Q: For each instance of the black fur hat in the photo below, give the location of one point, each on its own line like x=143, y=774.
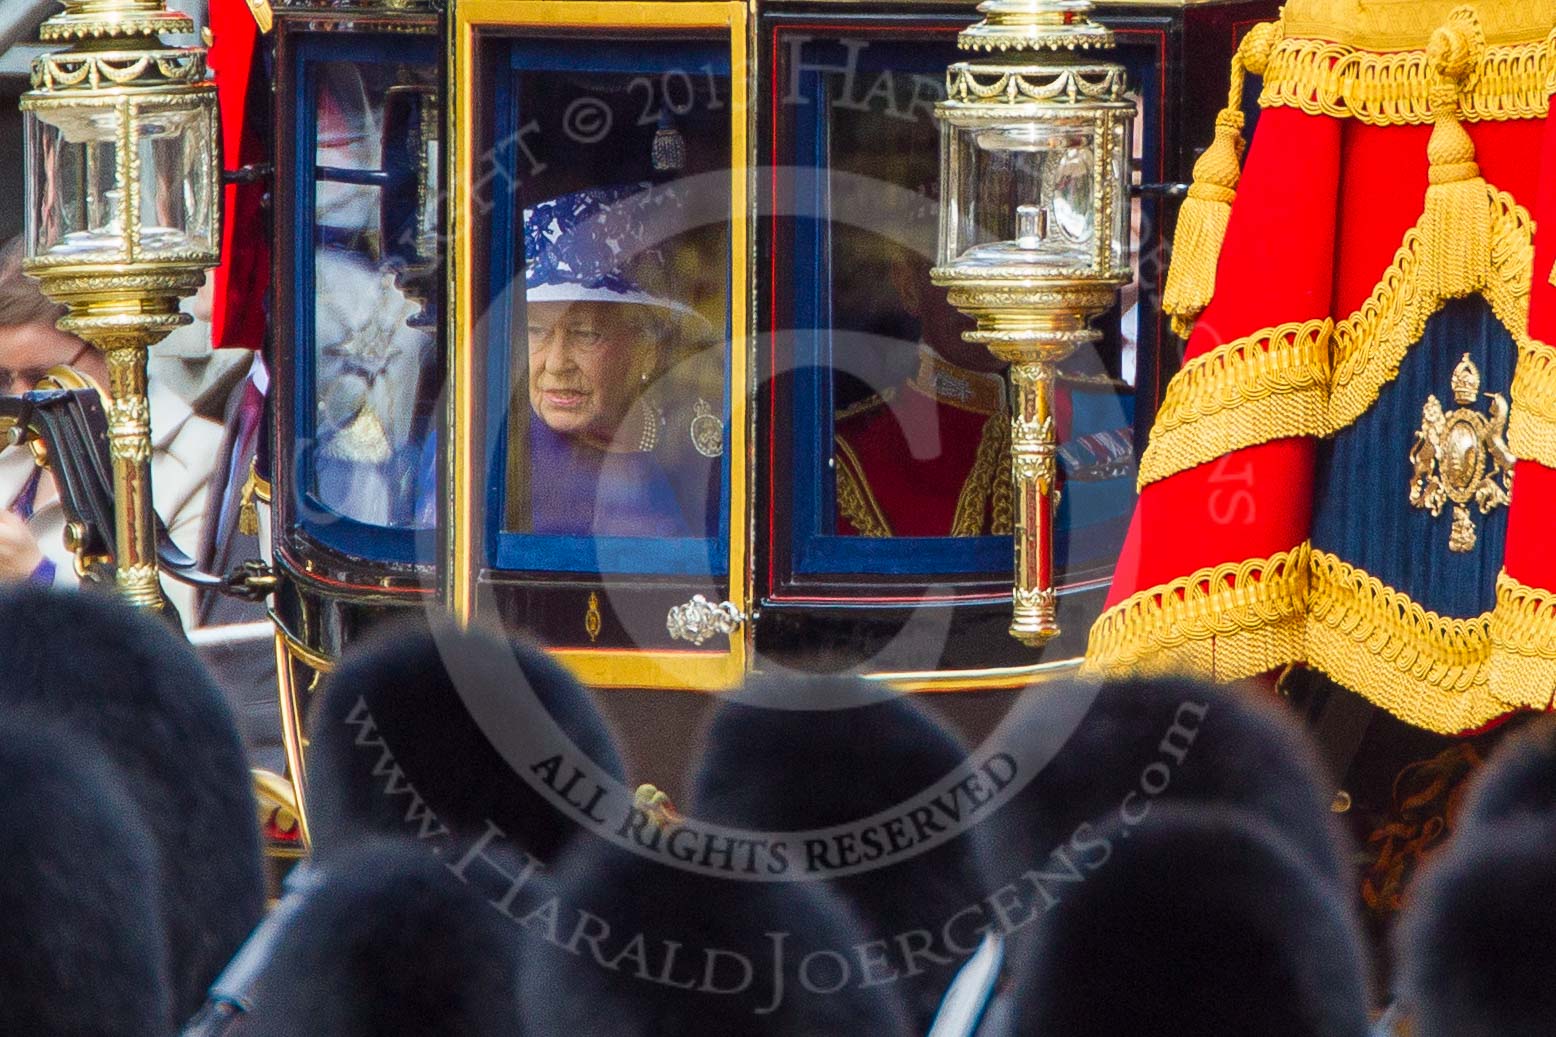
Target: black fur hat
x=82, y=949
x=393, y=737
x=386, y=941
x=1197, y=921
x=1132, y=741
x=1519, y=781
x=1476, y=938
x=792, y=755
x=107, y=672
x=632, y=947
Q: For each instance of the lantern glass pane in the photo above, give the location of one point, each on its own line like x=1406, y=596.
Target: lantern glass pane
x=1026, y=193
x=74, y=205
x=176, y=193
x=1120, y=178
x=948, y=242
x=617, y=320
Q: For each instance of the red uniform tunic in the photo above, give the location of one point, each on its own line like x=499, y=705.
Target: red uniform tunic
x=929, y=458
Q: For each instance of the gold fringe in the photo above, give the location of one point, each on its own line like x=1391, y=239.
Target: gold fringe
x=1226, y=622
x=1342, y=82
x=1370, y=344
x=1426, y=669
x=1269, y=386
x=1239, y=394
x=1532, y=430
x=1403, y=24
x=1470, y=239
x=1309, y=606
x=1511, y=674
x=1532, y=433
x=1206, y=212
x=1523, y=644
x=1203, y=221
x=854, y=497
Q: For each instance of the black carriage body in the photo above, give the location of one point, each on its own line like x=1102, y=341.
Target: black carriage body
x=338, y=577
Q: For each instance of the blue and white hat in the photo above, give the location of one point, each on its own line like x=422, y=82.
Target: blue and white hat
x=593, y=245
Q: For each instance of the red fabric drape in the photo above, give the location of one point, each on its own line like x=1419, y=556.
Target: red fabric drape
x=242, y=278
x=1322, y=209
x=1278, y=259
x=1531, y=548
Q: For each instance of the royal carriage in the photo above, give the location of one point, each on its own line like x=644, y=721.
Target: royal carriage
x=805, y=467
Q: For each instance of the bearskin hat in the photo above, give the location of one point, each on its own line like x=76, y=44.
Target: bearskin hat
x=107, y=672
x=798, y=754
x=1097, y=749
x=1196, y=920
x=628, y=946
x=1519, y=781
x=1476, y=936
x=383, y=940
x=396, y=750
x=83, y=951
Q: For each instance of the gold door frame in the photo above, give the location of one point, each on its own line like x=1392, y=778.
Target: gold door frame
x=667, y=669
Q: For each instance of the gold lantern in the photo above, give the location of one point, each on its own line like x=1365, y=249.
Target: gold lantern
x=1034, y=232
x=122, y=217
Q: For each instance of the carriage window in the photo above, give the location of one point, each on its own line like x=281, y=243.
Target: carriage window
x=917, y=463
x=611, y=310
x=374, y=170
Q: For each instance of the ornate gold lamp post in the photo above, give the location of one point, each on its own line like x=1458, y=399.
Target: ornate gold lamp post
x=1034, y=231
x=122, y=216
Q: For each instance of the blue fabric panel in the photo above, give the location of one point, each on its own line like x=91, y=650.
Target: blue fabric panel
x=1362, y=510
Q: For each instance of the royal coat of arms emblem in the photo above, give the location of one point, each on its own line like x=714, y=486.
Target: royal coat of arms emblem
x=1461, y=456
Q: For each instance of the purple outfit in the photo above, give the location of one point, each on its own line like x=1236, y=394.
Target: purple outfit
x=577, y=489
x=22, y=507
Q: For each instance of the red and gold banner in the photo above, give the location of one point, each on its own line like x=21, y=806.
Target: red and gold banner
x=1329, y=479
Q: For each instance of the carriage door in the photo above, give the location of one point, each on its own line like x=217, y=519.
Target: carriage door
x=598, y=335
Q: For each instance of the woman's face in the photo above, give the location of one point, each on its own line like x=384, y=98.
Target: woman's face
x=587, y=363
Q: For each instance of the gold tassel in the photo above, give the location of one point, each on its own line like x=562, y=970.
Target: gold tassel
x=1457, y=227
x=248, y=510
x=1206, y=212
x=656, y=804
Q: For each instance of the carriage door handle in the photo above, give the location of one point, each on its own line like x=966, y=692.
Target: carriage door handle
x=700, y=619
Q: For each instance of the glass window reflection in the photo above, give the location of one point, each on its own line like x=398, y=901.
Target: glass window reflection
x=619, y=322
x=375, y=383
x=921, y=444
